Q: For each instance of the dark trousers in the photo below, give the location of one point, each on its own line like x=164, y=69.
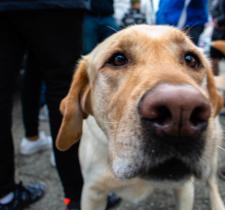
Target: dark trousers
x=31, y=96
x=54, y=39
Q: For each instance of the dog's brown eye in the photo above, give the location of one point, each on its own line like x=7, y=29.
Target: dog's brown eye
x=192, y=60
x=118, y=59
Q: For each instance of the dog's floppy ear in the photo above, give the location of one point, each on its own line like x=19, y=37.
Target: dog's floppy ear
x=217, y=100
x=74, y=108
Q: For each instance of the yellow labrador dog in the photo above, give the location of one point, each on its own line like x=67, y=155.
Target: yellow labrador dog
x=150, y=103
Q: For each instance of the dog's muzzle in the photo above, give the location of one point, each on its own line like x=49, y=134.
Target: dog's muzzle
x=174, y=120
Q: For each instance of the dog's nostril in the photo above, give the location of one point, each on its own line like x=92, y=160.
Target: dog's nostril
x=200, y=116
x=196, y=116
x=172, y=111
x=163, y=115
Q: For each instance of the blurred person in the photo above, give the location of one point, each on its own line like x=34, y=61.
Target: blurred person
x=140, y=12
x=120, y=8
x=134, y=15
x=135, y=12
x=189, y=15
x=99, y=23
x=33, y=101
x=52, y=31
x=218, y=15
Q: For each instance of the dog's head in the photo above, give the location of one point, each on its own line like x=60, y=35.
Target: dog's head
x=152, y=92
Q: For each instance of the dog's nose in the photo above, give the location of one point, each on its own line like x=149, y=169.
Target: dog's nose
x=175, y=111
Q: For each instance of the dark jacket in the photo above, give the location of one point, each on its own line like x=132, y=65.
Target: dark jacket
x=101, y=7
x=15, y=5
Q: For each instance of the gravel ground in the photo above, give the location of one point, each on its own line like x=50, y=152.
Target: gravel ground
x=37, y=167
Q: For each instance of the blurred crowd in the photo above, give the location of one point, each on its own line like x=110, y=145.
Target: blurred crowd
x=44, y=39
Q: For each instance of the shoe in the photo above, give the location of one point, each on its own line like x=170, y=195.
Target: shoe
x=112, y=201
x=28, y=147
x=24, y=196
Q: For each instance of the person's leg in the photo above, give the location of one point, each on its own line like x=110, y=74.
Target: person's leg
x=31, y=96
x=11, y=54
x=12, y=195
x=90, y=36
x=54, y=37
x=58, y=74
x=33, y=141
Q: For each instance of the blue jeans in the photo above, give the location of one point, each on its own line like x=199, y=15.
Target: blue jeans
x=96, y=29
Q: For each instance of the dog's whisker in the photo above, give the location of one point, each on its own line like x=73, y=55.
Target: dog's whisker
x=113, y=29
